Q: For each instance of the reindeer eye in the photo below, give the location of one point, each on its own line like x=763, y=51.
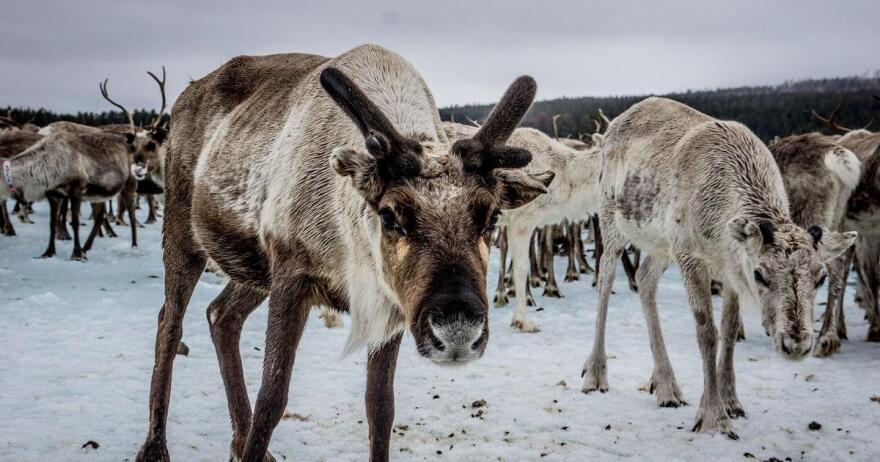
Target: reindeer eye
x=759, y=278
x=493, y=221
x=389, y=222
x=821, y=280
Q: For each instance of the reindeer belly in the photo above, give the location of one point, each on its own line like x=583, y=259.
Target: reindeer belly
x=234, y=248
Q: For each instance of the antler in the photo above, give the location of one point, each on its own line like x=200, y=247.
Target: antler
x=829, y=122
x=155, y=124
x=486, y=150
x=9, y=121
x=103, y=87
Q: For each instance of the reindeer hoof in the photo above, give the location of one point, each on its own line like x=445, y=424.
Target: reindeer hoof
x=572, y=276
x=552, y=291
x=595, y=374
x=827, y=345
x=47, y=254
x=873, y=334
x=501, y=300
x=534, y=282
x=78, y=256
x=154, y=450
x=524, y=325
x=714, y=419
x=665, y=390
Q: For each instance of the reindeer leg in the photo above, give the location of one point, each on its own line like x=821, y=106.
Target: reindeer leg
x=289, y=300
x=129, y=200
x=151, y=203
x=121, y=208
x=630, y=269
x=585, y=267
x=379, y=397
x=595, y=370
x=5, y=220
x=226, y=316
x=730, y=324
x=75, y=203
x=829, y=335
x=598, y=246
x=107, y=219
x=868, y=255
x=712, y=415
x=501, y=291
x=571, y=273
x=98, y=217
x=534, y=263
x=53, y=217
x=663, y=383
x=550, y=289
x=184, y=263
x=61, y=224
x=24, y=211
x=519, y=253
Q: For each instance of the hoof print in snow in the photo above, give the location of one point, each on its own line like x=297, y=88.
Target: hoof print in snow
x=182, y=349
x=478, y=403
x=814, y=426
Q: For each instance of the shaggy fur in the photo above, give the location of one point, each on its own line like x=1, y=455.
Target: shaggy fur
x=12, y=143
x=819, y=177
x=707, y=195
x=329, y=181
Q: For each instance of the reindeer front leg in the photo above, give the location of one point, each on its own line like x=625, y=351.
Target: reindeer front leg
x=381, y=366
x=53, y=217
x=711, y=416
x=501, y=298
x=730, y=324
x=5, y=221
x=75, y=203
x=550, y=288
x=289, y=301
x=833, y=328
x=520, y=263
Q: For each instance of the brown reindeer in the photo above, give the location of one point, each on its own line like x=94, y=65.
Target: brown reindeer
x=862, y=215
x=329, y=181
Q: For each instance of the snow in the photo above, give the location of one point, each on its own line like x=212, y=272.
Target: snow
x=76, y=353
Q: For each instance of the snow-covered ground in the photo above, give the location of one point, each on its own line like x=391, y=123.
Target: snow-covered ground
x=76, y=352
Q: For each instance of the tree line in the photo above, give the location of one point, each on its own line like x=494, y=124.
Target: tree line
x=769, y=111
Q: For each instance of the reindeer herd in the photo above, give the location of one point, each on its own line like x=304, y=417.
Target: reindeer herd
x=332, y=181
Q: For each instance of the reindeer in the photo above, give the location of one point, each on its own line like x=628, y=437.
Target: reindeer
x=574, y=193
x=706, y=194
x=313, y=180
x=862, y=215
x=819, y=177
x=12, y=143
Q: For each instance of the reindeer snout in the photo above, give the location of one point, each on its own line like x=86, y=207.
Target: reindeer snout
x=795, y=346
x=458, y=340
x=139, y=171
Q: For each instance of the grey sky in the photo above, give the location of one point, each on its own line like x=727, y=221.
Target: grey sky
x=53, y=53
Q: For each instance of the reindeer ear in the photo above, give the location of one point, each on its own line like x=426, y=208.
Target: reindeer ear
x=360, y=166
x=832, y=244
x=129, y=138
x=517, y=188
x=747, y=234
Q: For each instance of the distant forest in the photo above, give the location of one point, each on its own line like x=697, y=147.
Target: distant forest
x=768, y=110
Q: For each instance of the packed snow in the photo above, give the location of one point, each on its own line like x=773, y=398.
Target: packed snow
x=76, y=353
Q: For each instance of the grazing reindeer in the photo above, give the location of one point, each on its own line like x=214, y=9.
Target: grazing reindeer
x=706, y=194
x=819, y=176
x=12, y=143
x=344, y=192
x=574, y=193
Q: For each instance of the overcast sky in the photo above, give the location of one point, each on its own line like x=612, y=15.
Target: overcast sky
x=54, y=53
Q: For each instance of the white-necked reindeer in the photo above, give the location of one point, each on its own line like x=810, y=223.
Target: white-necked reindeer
x=345, y=192
x=707, y=195
x=573, y=194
